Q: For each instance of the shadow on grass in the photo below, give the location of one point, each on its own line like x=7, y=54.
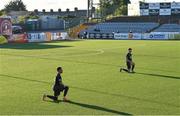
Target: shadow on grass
x=25, y=79
x=96, y=91
x=95, y=107
x=56, y=102
x=90, y=106
x=30, y=46
x=159, y=75
x=70, y=40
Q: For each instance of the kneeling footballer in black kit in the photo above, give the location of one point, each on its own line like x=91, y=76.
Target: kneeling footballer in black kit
x=58, y=87
x=129, y=62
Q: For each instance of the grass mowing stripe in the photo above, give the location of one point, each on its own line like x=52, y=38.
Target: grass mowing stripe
x=94, y=91
x=95, y=63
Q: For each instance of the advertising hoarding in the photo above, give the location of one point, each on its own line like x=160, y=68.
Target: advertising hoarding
x=175, y=5
x=165, y=5
x=165, y=12
x=154, y=12
x=144, y=5
x=5, y=26
x=154, y=5
x=175, y=11
x=144, y=12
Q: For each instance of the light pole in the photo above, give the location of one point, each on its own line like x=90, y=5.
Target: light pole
x=89, y=9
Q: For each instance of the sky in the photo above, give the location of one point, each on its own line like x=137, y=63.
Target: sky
x=63, y=4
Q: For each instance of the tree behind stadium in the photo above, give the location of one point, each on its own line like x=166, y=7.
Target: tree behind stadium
x=114, y=7
x=15, y=5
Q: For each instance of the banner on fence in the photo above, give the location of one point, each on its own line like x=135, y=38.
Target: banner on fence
x=64, y=35
x=121, y=35
x=56, y=36
x=156, y=36
x=127, y=35
x=101, y=36
x=154, y=5
x=36, y=37
x=175, y=5
x=18, y=38
x=47, y=36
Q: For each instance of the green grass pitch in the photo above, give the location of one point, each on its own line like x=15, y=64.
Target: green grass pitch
x=91, y=69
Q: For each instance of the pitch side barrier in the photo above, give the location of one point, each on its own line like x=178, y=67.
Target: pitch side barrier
x=100, y=36
x=46, y=36
x=37, y=37
x=136, y=36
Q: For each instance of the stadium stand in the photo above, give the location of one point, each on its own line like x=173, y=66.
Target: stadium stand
x=158, y=19
x=134, y=24
x=122, y=27
x=168, y=28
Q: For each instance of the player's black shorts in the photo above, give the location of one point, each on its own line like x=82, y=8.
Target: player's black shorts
x=57, y=89
x=128, y=65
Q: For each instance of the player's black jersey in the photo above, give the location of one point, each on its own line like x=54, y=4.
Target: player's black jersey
x=58, y=79
x=129, y=57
